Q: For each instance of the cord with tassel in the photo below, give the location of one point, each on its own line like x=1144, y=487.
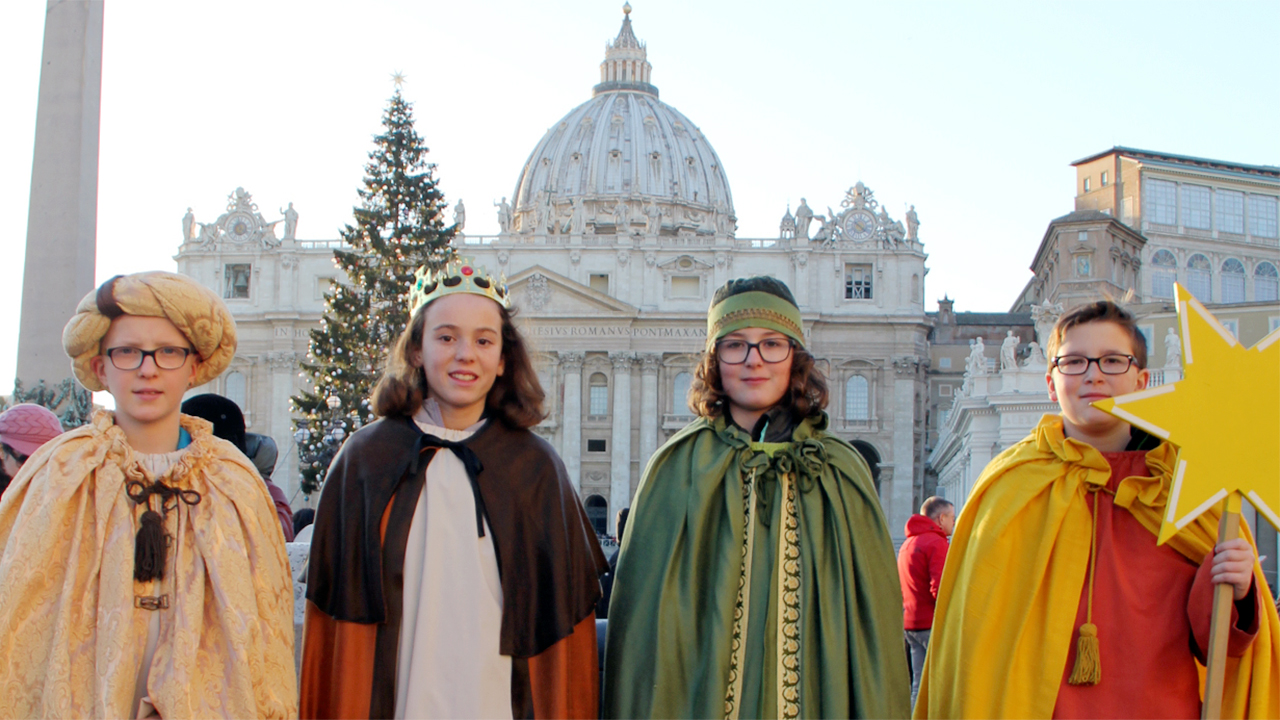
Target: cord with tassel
x=151, y=544
x=1088, y=667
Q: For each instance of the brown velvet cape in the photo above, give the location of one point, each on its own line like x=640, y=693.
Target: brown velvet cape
x=549, y=562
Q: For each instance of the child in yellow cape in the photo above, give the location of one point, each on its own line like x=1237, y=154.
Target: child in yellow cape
x=1056, y=600
x=143, y=572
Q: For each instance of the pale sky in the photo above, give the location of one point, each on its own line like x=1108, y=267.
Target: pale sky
x=972, y=112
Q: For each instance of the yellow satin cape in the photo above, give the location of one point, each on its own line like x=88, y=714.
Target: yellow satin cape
x=1015, y=571
x=71, y=640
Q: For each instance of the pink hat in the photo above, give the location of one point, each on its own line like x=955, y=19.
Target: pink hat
x=26, y=427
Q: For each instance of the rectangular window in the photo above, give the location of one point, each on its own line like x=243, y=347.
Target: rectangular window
x=857, y=282
x=598, y=400
x=944, y=363
x=1162, y=202
x=1086, y=184
x=1195, y=207
x=323, y=285
x=944, y=390
x=1105, y=178
x=1162, y=283
x=236, y=278
x=1229, y=211
x=1262, y=216
x=597, y=446
x=686, y=287
x=599, y=282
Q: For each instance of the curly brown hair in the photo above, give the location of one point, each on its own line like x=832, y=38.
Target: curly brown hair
x=516, y=396
x=806, y=393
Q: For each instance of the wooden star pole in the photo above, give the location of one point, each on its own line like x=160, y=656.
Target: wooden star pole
x=1227, y=406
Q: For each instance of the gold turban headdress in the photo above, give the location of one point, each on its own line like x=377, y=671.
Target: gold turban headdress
x=197, y=312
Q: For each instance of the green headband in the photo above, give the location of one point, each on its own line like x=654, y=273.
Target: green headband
x=754, y=309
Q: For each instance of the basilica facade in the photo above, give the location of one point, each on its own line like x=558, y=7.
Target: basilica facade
x=620, y=228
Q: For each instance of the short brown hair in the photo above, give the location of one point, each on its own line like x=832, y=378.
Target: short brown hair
x=934, y=507
x=1100, y=311
x=516, y=396
x=806, y=394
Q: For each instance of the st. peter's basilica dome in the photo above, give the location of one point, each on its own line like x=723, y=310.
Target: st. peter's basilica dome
x=624, y=161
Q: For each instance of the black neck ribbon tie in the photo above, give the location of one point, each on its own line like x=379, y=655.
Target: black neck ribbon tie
x=469, y=461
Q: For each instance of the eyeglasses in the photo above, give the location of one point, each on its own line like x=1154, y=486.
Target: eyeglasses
x=1108, y=364
x=165, y=358
x=771, y=350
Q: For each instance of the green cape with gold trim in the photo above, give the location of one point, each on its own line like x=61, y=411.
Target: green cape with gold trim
x=706, y=622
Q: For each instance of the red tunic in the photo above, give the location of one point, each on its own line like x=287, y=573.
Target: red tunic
x=1152, y=607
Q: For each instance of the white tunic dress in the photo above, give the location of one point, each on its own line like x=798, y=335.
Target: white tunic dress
x=449, y=665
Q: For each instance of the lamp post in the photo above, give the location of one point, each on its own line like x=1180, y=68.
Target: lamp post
x=318, y=453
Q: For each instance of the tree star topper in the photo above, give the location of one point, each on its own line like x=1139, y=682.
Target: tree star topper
x=1224, y=415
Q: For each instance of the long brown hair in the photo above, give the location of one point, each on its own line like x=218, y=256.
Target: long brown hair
x=516, y=396
x=806, y=393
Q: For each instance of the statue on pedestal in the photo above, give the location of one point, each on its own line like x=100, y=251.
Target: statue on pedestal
x=913, y=224
x=622, y=217
x=290, y=222
x=460, y=216
x=1172, y=350
x=1009, y=352
x=504, y=215
x=976, y=364
x=1035, y=359
x=804, y=216
x=654, y=215
x=188, y=224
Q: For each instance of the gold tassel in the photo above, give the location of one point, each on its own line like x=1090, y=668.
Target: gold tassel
x=1088, y=669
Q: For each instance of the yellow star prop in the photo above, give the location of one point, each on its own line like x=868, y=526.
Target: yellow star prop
x=1224, y=415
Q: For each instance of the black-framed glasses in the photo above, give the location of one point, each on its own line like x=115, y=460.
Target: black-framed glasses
x=165, y=358
x=1108, y=364
x=771, y=350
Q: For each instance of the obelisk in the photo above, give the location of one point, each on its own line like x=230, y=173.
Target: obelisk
x=62, y=220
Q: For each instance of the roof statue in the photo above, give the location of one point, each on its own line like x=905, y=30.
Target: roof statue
x=618, y=153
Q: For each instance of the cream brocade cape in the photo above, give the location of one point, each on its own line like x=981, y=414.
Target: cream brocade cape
x=71, y=640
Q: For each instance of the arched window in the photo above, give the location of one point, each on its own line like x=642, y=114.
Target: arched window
x=235, y=388
x=857, y=401
x=1232, y=281
x=680, y=395
x=1266, y=283
x=598, y=397
x=598, y=513
x=1164, y=274
x=1200, y=278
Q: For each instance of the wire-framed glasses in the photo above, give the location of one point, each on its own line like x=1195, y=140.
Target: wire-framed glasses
x=165, y=358
x=771, y=350
x=1108, y=364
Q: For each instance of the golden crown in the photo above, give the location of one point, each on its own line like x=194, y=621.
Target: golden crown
x=459, y=275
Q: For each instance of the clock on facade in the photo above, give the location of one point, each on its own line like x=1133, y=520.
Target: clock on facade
x=240, y=227
x=859, y=225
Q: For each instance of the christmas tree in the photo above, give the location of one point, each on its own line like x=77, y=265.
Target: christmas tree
x=398, y=228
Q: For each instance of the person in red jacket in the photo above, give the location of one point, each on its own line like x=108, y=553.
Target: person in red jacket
x=920, y=563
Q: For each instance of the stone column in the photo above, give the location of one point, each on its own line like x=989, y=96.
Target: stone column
x=649, y=365
x=620, y=474
x=898, y=503
x=571, y=450
x=62, y=218
x=283, y=366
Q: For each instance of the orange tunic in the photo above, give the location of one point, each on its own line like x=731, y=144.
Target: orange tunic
x=1152, y=607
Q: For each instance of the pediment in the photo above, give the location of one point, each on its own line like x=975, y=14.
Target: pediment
x=537, y=291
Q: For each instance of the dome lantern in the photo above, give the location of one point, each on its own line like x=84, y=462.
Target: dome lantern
x=625, y=65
